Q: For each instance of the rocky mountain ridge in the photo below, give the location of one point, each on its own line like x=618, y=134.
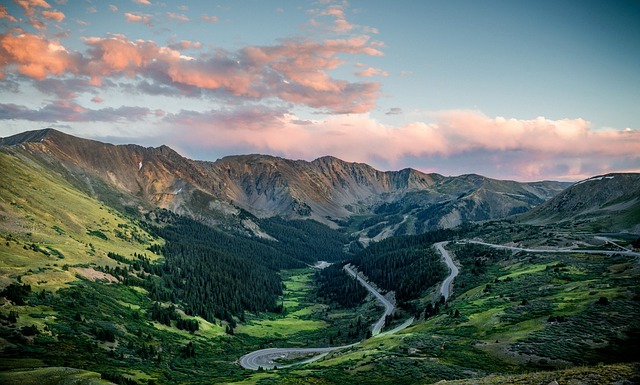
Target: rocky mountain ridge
x=327, y=189
x=602, y=203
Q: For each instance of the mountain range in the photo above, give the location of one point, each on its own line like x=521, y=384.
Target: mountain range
x=103, y=267
x=328, y=190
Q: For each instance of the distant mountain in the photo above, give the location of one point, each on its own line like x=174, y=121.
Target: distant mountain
x=606, y=202
x=327, y=189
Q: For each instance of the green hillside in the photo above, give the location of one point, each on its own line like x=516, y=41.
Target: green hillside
x=51, y=231
x=90, y=294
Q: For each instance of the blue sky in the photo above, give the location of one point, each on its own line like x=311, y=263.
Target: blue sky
x=508, y=89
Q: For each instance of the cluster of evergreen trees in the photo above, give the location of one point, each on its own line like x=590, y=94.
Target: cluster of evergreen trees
x=215, y=274
x=407, y=265
x=336, y=286
x=16, y=293
x=308, y=241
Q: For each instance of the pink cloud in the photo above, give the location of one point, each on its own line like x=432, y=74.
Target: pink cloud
x=5, y=15
x=33, y=10
x=369, y=72
x=179, y=17
x=342, y=26
x=53, y=15
x=34, y=56
x=336, y=11
x=211, y=19
x=186, y=44
x=29, y=6
x=143, y=2
x=97, y=99
x=113, y=8
x=521, y=149
x=292, y=71
x=137, y=18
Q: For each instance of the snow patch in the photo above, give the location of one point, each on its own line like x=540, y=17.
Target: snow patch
x=593, y=179
x=139, y=165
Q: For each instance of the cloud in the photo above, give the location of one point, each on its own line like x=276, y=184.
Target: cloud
x=66, y=88
x=394, y=111
x=113, y=8
x=176, y=16
x=143, y=2
x=34, y=56
x=246, y=119
x=36, y=11
x=5, y=15
x=458, y=141
x=293, y=70
x=67, y=111
x=30, y=6
x=211, y=19
x=185, y=44
x=53, y=15
x=97, y=99
x=369, y=72
x=137, y=18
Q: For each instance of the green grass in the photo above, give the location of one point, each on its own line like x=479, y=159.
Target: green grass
x=596, y=375
x=298, y=285
x=51, y=376
x=41, y=211
x=495, y=333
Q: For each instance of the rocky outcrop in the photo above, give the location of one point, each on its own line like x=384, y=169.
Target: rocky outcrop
x=327, y=189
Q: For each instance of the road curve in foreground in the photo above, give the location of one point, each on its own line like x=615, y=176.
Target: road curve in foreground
x=445, y=290
x=266, y=358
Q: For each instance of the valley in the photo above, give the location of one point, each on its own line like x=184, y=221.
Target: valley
x=263, y=359
x=132, y=265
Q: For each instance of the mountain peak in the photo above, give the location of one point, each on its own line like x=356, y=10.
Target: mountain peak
x=31, y=136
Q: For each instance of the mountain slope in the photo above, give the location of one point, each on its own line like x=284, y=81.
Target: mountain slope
x=327, y=189
x=610, y=202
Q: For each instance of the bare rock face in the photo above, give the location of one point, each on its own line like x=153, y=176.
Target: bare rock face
x=327, y=189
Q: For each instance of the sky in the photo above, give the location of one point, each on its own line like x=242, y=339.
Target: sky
x=521, y=90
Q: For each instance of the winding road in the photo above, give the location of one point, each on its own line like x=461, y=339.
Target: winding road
x=388, y=306
x=453, y=269
x=266, y=358
x=602, y=252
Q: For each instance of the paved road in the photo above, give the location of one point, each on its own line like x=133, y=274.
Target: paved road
x=265, y=358
x=602, y=252
x=453, y=269
x=388, y=306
